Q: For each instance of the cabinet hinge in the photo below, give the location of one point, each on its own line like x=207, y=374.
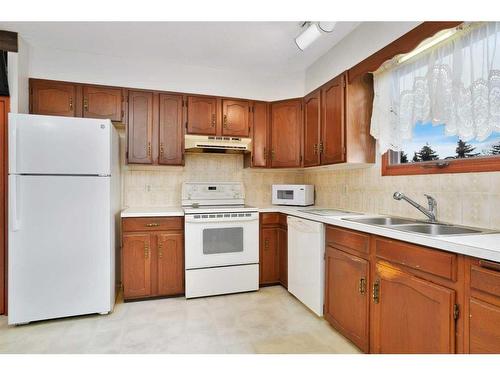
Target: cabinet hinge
x=456, y=311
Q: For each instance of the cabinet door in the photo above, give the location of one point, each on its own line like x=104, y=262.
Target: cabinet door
x=283, y=256
x=171, y=131
x=202, y=115
x=260, y=134
x=269, y=258
x=140, y=127
x=236, y=118
x=170, y=263
x=346, y=295
x=484, y=326
x=136, y=258
x=411, y=315
x=53, y=98
x=102, y=102
x=312, y=125
x=333, y=122
x=286, y=133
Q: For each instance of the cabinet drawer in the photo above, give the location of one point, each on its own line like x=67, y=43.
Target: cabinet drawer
x=152, y=223
x=432, y=261
x=485, y=280
x=347, y=238
x=270, y=218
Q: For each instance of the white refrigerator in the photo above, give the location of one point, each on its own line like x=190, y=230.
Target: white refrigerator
x=64, y=203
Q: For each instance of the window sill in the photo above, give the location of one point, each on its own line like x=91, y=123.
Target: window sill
x=478, y=164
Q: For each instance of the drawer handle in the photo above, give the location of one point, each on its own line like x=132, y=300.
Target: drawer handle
x=225, y=122
x=489, y=265
x=266, y=244
x=362, y=285
x=152, y=225
x=376, y=292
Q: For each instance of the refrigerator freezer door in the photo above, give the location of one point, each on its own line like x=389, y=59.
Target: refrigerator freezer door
x=60, y=254
x=59, y=145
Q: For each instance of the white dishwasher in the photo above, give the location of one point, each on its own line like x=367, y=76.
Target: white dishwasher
x=306, y=262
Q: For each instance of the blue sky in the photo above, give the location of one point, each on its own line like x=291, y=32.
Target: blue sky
x=444, y=145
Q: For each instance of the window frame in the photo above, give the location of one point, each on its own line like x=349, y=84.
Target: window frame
x=405, y=44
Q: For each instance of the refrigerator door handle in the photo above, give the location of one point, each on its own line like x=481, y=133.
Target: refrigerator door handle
x=15, y=223
x=12, y=143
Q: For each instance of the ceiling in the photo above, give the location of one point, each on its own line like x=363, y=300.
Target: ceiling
x=264, y=47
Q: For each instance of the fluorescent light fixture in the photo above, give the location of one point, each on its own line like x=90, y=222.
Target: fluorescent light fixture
x=425, y=45
x=308, y=36
x=326, y=26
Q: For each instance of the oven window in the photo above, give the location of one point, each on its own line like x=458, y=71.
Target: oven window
x=285, y=194
x=222, y=240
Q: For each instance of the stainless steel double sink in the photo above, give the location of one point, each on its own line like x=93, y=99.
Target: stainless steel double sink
x=419, y=227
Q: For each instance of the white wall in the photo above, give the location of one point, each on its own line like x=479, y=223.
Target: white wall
x=366, y=39
x=160, y=75
x=18, y=65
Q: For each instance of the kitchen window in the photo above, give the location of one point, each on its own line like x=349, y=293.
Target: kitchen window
x=437, y=108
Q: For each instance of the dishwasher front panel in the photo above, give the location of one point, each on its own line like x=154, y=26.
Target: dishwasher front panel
x=306, y=263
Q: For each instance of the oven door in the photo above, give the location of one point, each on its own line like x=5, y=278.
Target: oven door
x=221, y=239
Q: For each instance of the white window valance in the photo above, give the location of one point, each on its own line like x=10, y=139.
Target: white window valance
x=455, y=83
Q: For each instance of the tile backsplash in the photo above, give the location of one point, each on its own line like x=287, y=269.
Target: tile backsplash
x=467, y=198
x=146, y=186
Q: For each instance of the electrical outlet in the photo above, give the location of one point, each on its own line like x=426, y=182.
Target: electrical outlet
x=148, y=188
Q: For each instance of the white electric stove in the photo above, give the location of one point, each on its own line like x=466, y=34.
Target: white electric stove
x=221, y=239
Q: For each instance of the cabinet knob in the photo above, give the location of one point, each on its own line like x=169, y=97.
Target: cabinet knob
x=213, y=120
x=266, y=244
x=161, y=149
x=71, y=103
x=146, y=252
x=85, y=104
x=160, y=250
x=225, y=122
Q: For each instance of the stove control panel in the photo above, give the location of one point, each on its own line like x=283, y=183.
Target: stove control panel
x=212, y=193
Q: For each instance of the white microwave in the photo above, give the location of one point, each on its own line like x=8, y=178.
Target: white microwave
x=293, y=195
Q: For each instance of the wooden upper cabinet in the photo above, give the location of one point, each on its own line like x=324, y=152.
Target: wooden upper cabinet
x=260, y=139
x=286, y=133
x=312, y=127
x=411, y=315
x=140, y=127
x=201, y=115
x=333, y=121
x=53, y=98
x=171, y=134
x=102, y=102
x=170, y=248
x=347, y=295
x=136, y=253
x=236, y=118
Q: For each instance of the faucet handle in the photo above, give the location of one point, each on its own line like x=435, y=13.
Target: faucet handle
x=431, y=201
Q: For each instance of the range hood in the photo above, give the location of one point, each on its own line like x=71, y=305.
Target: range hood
x=208, y=143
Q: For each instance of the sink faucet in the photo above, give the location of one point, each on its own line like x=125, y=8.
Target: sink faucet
x=430, y=212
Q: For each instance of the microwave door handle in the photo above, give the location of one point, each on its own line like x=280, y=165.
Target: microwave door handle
x=14, y=203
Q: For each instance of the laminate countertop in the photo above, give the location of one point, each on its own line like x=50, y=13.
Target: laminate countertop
x=485, y=246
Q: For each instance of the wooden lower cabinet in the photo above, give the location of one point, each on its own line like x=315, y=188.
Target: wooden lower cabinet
x=347, y=296
x=152, y=260
x=136, y=258
x=482, y=333
x=410, y=314
x=273, y=254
